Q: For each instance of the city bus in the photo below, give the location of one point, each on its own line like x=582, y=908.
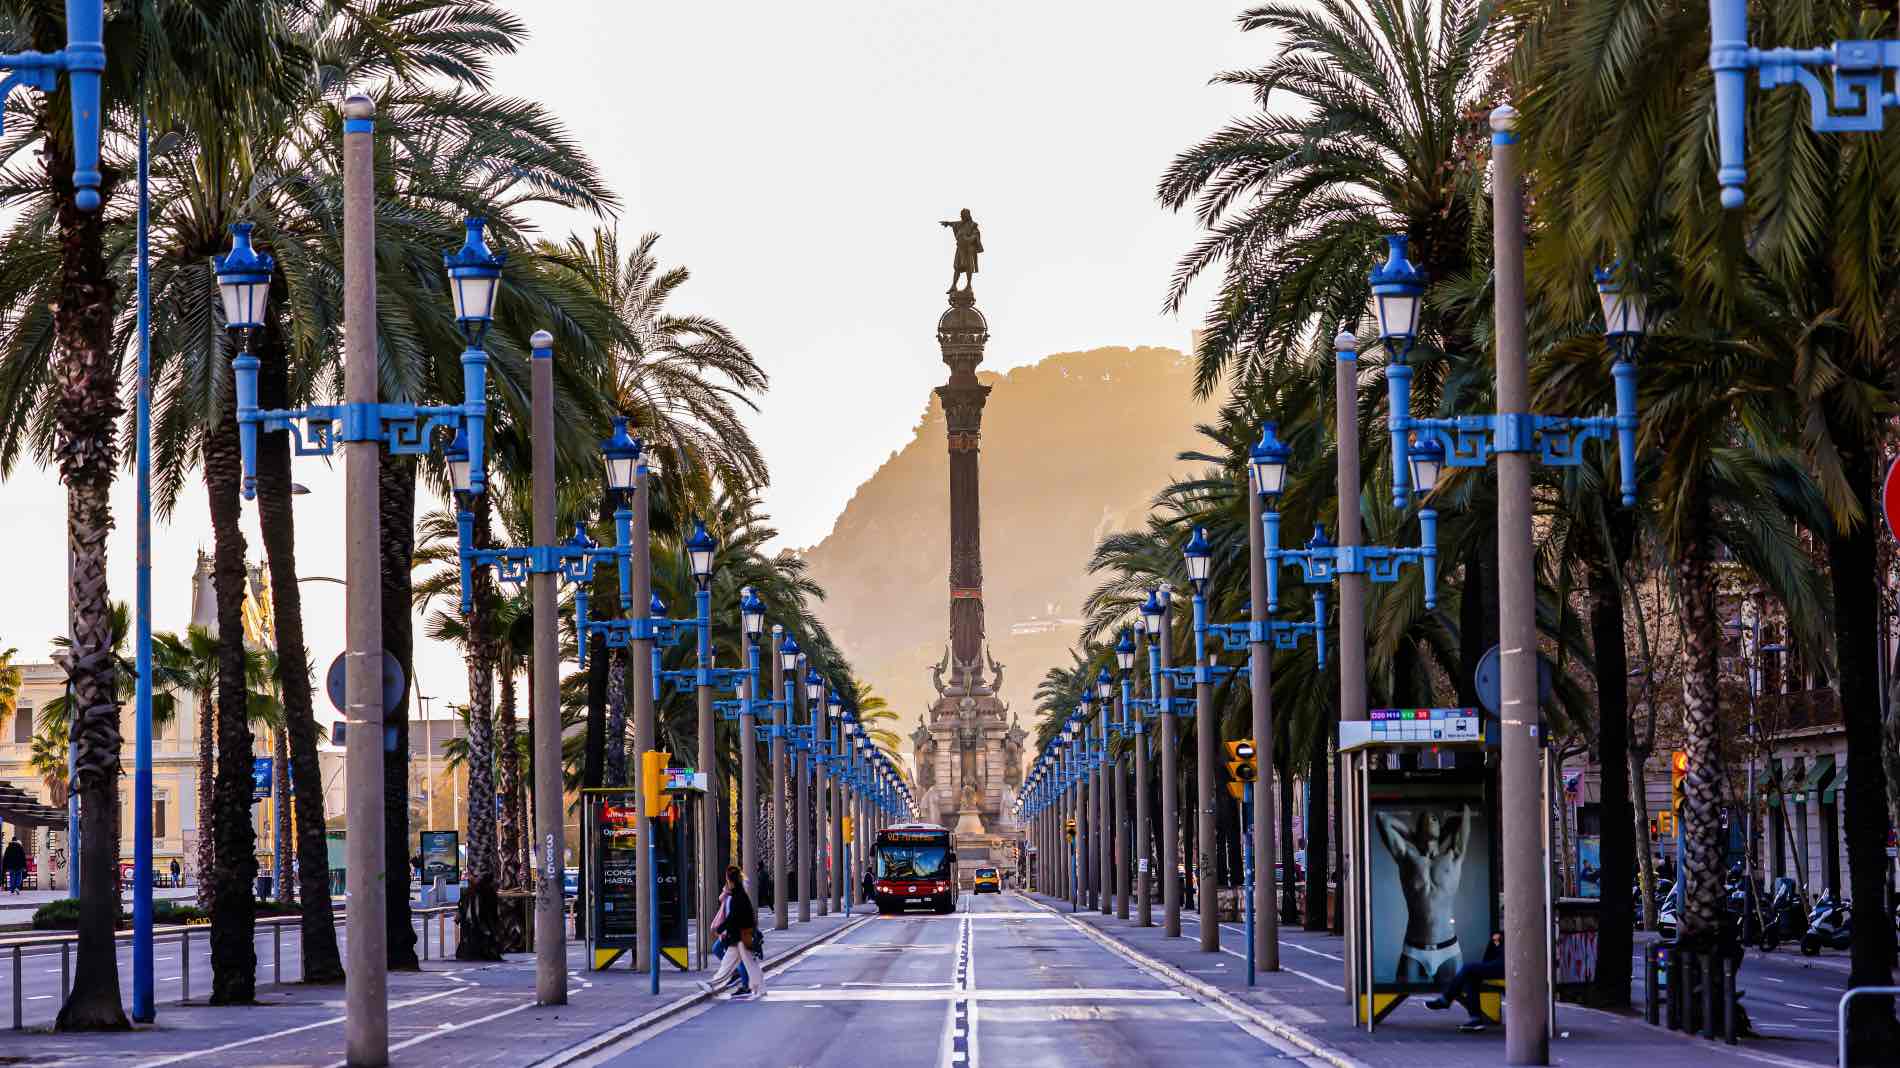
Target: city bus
x=913, y=866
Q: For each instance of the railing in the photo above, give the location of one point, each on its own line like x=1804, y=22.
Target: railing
x=183, y=935
x=1841, y=1016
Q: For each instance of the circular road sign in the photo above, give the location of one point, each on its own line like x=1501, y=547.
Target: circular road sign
x=393, y=683
x=1489, y=679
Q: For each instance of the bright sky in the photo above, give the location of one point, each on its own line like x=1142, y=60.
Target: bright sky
x=797, y=158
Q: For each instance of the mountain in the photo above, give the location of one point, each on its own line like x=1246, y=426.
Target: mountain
x=1073, y=447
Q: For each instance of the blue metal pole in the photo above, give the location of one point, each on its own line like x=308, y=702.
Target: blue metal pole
x=143, y=1009
x=653, y=892
x=1246, y=845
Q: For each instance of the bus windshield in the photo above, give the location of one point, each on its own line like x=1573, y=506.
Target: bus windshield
x=908, y=861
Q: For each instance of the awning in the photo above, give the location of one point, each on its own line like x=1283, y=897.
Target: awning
x=1820, y=770
x=1840, y=780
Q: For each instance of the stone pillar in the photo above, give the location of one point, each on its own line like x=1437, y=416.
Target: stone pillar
x=961, y=333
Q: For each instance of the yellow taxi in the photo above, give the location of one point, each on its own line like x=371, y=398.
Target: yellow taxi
x=987, y=879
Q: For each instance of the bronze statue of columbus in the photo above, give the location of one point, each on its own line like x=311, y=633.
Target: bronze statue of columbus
x=969, y=243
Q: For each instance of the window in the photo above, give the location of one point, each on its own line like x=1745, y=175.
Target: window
x=23, y=724
x=158, y=817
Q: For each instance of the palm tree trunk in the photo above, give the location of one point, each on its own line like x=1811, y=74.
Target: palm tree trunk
x=508, y=763
x=207, y=792
x=1317, y=798
x=1289, y=894
x=1852, y=557
x=233, y=909
x=1616, y=848
x=276, y=520
x=1702, y=835
x=396, y=486
x=280, y=816
x=85, y=417
x=478, y=917
x=616, y=755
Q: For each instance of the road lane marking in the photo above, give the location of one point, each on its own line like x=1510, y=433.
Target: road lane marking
x=196, y=1053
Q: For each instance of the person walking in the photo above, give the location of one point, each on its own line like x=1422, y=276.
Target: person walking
x=723, y=944
x=739, y=924
x=14, y=864
x=177, y=874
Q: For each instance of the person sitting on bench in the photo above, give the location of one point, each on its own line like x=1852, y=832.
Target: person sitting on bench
x=1467, y=984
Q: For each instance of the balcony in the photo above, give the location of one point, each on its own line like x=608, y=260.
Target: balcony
x=1801, y=710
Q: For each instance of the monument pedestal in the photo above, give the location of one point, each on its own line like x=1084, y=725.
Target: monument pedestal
x=969, y=822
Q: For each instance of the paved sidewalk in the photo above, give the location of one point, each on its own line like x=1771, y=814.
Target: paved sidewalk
x=1307, y=1000
x=17, y=909
x=451, y=1014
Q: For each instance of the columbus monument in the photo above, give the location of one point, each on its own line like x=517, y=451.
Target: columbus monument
x=969, y=750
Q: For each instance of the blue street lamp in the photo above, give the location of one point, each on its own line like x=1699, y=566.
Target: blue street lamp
x=1859, y=69
x=405, y=429
x=84, y=61
x=1471, y=440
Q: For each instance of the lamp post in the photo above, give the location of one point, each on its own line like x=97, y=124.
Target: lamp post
x=805, y=741
x=244, y=282
x=1137, y=725
x=785, y=679
x=1124, y=659
x=1199, y=559
x=834, y=765
x=1860, y=77
x=752, y=618
x=1518, y=437
x=1158, y=611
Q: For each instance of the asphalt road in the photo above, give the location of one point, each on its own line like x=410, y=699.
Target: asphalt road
x=1000, y=980
x=1791, y=999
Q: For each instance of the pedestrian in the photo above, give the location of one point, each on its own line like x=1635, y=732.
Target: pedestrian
x=870, y=883
x=738, y=923
x=1469, y=982
x=723, y=943
x=766, y=889
x=177, y=874
x=14, y=864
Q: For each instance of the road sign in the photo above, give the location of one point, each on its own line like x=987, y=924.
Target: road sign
x=393, y=683
x=1489, y=678
x=1890, y=498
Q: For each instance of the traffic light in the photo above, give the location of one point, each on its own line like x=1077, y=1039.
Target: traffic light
x=1678, y=771
x=1241, y=767
x=1069, y=828
x=848, y=827
x=1664, y=825
x=653, y=781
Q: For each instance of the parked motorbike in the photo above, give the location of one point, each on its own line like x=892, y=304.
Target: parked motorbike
x=1833, y=928
x=1783, y=919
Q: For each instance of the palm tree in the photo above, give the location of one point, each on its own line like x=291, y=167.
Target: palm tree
x=10, y=682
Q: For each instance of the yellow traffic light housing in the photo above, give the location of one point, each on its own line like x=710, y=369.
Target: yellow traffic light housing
x=1068, y=828
x=653, y=782
x=1241, y=764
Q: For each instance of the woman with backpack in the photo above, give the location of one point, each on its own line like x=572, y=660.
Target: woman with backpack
x=737, y=924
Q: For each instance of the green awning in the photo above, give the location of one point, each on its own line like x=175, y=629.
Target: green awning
x=1820, y=770
x=1827, y=795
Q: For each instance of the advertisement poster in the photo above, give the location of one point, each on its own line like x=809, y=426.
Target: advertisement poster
x=260, y=778
x=1589, y=865
x=441, y=856
x=615, y=870
x=1429, y=871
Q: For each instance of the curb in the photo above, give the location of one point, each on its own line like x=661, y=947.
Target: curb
x=1209, y=992
x=589, y=1046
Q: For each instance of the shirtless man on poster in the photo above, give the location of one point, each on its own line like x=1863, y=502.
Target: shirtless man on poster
x=1429, y=847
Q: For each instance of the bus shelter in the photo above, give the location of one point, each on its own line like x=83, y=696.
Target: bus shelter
x=1424, y=893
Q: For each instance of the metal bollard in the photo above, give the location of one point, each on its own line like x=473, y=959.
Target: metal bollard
x=184, y=960
x=65, y=969
x=425, y=938
x=1651, y=995
x=16, y=988
x=442, y=932
x=1711, y=983
x=277, y=952
x=1728, y=1002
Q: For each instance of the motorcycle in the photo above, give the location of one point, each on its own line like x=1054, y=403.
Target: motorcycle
x=1782, y=920
x=1833, y=928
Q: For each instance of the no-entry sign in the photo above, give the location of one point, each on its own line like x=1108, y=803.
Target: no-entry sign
x=1890, y=498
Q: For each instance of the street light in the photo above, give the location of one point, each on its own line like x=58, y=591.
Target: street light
x=621, y=456
x=474, y=280
x=699, y=548
x=1397, y=287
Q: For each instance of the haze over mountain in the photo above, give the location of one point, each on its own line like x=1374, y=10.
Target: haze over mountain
x=1074, y=446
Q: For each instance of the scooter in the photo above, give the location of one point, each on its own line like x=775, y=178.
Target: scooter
x=1782, y=919
x=1832, y=929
